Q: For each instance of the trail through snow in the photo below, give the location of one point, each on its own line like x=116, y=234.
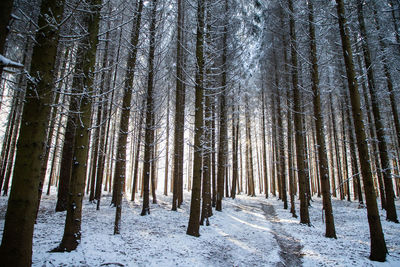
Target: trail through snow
x=290, y=247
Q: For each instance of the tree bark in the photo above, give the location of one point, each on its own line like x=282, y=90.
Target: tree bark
x=16, y=246
x=264, y=149
x=298, y=123
x=378, y=245
x=391, y=214
x=82, y=84
x=167, y=149
x=120, y=167
x=223, y=127
x=137, y=153
x=319, y=128
x=193, y=226
x=177, y=176
x=149, y=131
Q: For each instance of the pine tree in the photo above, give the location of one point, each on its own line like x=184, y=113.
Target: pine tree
x=194, y=219
x=391, y=214
x=298, y=122
x=177, y=174
x=82, y=86
x=319, y=128
x=378, y=244
x=223, y=127
x=120, y=167
x=149, y=130
x=16, y=246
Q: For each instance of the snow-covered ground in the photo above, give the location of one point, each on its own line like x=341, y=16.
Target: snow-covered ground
x=352, y=246
x=249, y=232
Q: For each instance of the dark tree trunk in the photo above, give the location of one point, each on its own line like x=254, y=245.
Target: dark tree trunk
x=16, y=246
x=223, y=127
x=177, y=177
x=264, y=150
x=378, y=244
x=298, y=123
x=66, y=165
x=167, y=149
x=120, y=167
x=391, y=214
x=319, y=128
x=194, y=219
x=149, y=131
x=83, y=83
x=137, y=153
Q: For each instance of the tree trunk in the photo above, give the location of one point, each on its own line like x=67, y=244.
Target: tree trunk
x=153, y=177
x=206, y=210
x=249, y=153
x=149, y=131
x=319, y=128
x=213, y=158
x=335, y=152
x=66, y=164
x=167, y=149
x=83, y=83
x=193, y=226
x=177, y=177
x=378, y=245
x=264, y=150
x=16, y=246
x=391, y=214
x=298, y=123
x=138, y=143
x=223, y=127
x=235, y=143
x=120, y=167
x=281, y=154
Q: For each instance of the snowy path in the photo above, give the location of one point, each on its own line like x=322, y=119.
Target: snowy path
x=236, y=237
x=290, y=247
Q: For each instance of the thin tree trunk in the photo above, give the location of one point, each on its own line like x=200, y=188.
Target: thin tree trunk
x=167, y=149
x=223, y=119
x=194, y=219
x=298, y=123
x=319, y=128
x=206, y=210
x=149, y=131
x=137, y=153
x=281, y=148
x=177, y=176
x=120, y=167
x=153, y=176
x=235, y=143
x=265, y=170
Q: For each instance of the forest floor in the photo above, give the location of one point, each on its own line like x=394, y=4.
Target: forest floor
x=249, y=232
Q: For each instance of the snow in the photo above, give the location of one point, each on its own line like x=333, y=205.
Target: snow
x=352, y=246
x=6, y=62
x=243, y=234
